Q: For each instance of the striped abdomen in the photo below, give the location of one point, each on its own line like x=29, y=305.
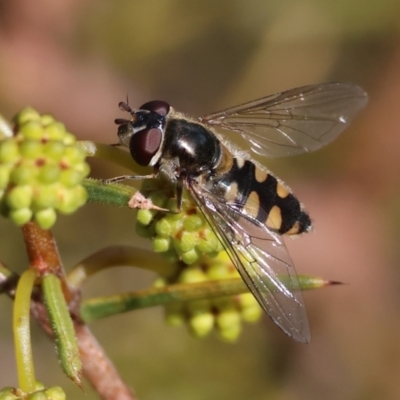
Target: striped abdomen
x=261, y=196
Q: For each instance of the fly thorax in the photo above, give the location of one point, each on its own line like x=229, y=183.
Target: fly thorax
x=196, y=148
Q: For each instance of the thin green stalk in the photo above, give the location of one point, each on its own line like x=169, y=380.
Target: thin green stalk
x=22, y=335
x=101, y=307
x=118, y=256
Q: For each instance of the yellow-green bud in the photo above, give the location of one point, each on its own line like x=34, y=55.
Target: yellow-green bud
x=231, y=333
x=190, y=257
x=32, y=130
x=4, y=176
x=9, y=151
x=31, y=149
x=46, y=218
x=192, y=223
x=56, y=131
x=144, y=217
x=10, y=393
x=185, y=241
x=192, y=274
x=41, y=395
x=49, y=174
x=20, y=197
x=54, y=149
x=21, y=216
x=23, y=174
x=55, y=393
x=163, y=227
x=201, y=324
x=161, y=244
x=46, y=119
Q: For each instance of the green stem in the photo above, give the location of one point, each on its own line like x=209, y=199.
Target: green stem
x=21, y=328
x=102, y=307
x=118, y=256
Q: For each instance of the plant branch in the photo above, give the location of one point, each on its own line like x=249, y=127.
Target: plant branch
x=44, y=258
x=118, y=256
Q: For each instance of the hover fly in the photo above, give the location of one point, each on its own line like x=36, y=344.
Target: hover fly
x=248, y=208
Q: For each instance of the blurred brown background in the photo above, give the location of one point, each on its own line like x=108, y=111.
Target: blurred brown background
x=78, y=59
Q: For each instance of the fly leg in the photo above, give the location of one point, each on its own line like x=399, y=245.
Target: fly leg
x=128, y=177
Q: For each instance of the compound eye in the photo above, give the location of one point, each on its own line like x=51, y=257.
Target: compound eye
x=144, y=145
x=157, y=106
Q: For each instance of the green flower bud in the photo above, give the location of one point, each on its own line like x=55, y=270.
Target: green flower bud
x=163, y=227
x=39, y=385
x=54, y=149
x=71, y=199
x=230, y=334
x=46, y=218
x=74, y=155
x=31, y=149
x=251, y=313
x=4, y=176
x=83, y=169
x=21, y=216
x=10, y=393
x=69, y=139
x=46, y=119
x=185, y=241
x=45, y=196
x=38, y=396
x=70, y=178
x=55, y=131
x=208, y=241
x=161, y=244
x=176, y=223
x=9, y=152
x=201, y=324
x=55, y=393
x=145, y=217
x=20, y=197
x=193, y=223
x=23, y=174
x=49, y=173
x=32, y=130
x=227, y=318
x=192, y=274
x=190, y=257
x=28, y=114
x=218, y=270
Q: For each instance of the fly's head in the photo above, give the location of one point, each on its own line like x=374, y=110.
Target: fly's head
x=144, y=132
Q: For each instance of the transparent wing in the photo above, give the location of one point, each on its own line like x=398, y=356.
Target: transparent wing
x=293, y=122
x=262, y=260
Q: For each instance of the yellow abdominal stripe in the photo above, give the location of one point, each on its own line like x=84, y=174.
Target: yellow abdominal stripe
x=274, y=220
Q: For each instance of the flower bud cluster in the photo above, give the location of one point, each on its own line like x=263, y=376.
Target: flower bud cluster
x=187, y=240
x=41, y=170
x=184, y=235
x=224, y=314
x=51, y=393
